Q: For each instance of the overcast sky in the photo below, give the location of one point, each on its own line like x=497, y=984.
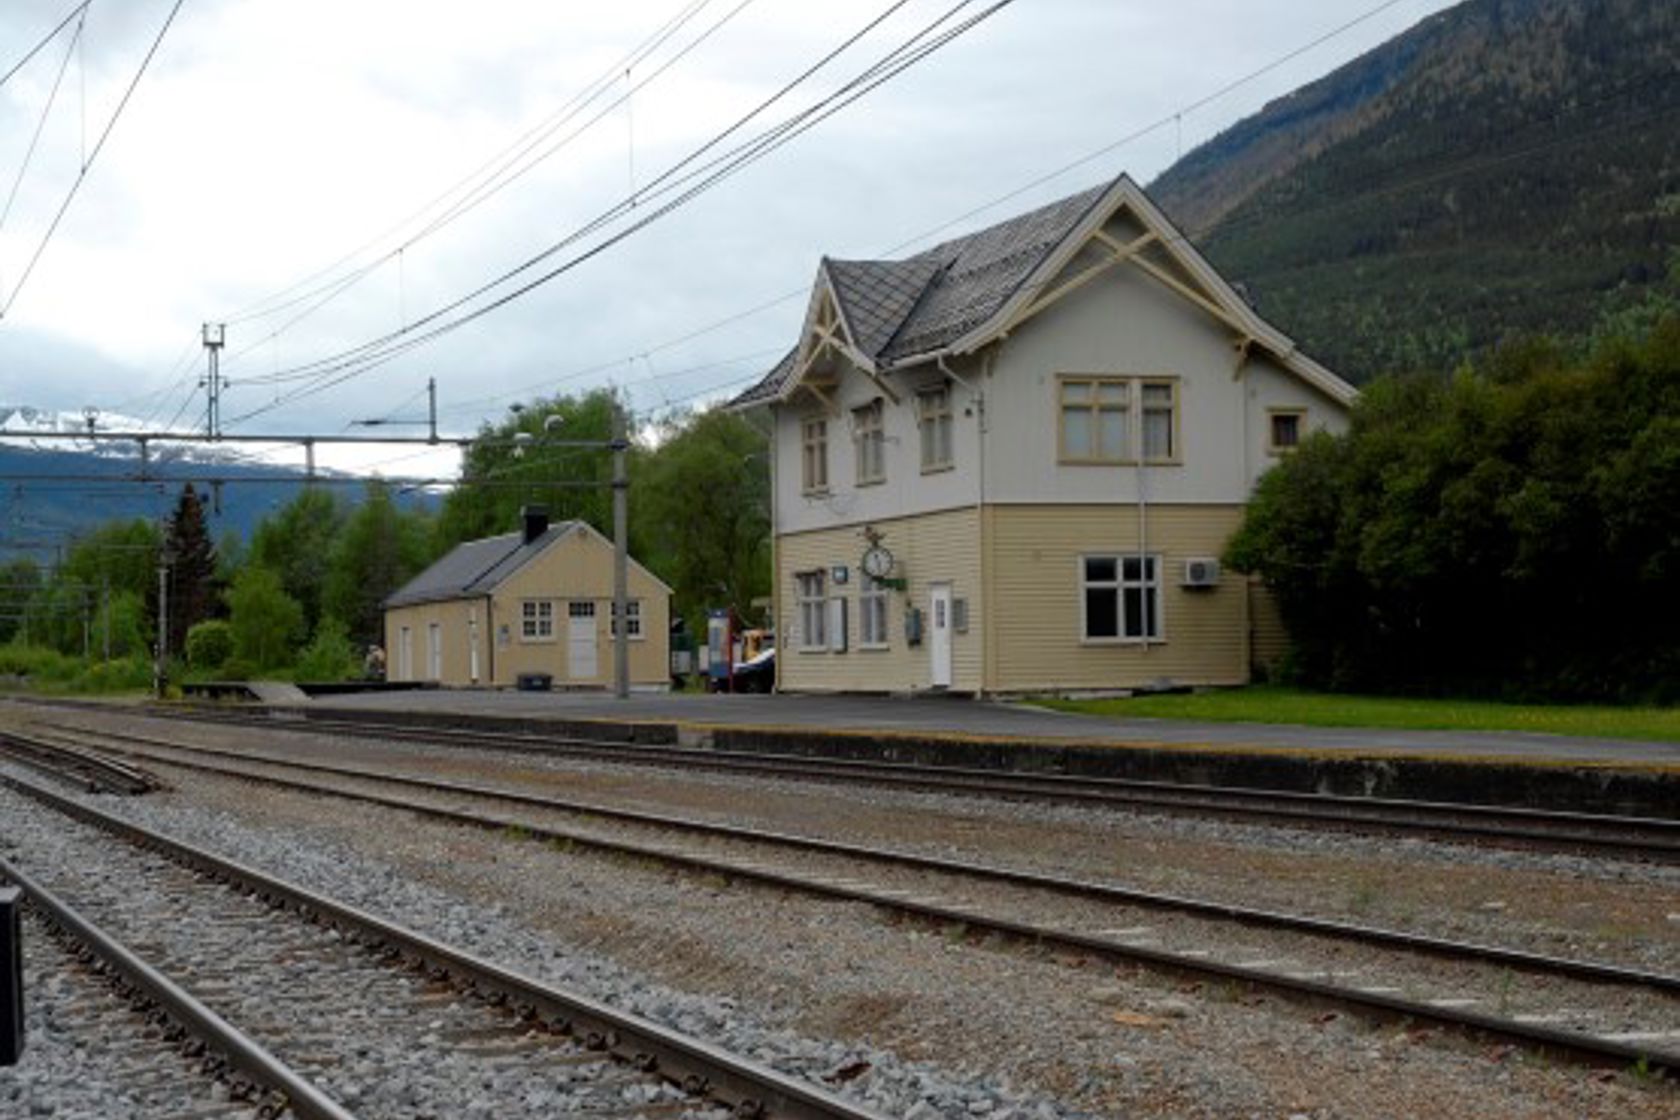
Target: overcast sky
x=273, y=139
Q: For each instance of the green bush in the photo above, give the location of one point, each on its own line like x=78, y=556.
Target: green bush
x=237, y=669
x=123, y=674
x=329, y=656
x=38, y=664
x=209, y=644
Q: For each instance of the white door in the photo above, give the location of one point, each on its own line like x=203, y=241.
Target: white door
x=434, y=652
x=939, y=633
x=580, y=641
x=405, y=654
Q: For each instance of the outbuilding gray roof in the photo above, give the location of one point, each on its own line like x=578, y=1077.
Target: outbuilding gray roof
x=475, y=568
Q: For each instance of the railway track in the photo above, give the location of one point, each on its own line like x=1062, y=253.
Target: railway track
x=113, y=1048
x=345, y=1014
x=88, y=769
x=1639, y=838
x=1597, y=1011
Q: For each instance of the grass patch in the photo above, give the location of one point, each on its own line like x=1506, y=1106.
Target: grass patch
x=1274, y=704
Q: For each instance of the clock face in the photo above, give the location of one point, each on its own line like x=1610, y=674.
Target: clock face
x=877, y=562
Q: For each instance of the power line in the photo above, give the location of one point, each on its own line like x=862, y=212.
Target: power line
x=40, y=126
x=497, y=174
x=334, y=370
x=87, y=164
x=78, y=10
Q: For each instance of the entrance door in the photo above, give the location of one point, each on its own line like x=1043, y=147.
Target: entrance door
x=405, y=654
x=434, y=652
x=939, y=633
x=580, y=641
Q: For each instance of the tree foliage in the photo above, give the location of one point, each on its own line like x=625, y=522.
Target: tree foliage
x=264, y=621
x=380, y=548
x=193, y=588
x=701, y=502
x=1511, y=531
x=297, y=544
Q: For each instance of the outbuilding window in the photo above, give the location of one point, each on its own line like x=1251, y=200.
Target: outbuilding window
x=536, y=620
x=633, y=611
x=1120, y=598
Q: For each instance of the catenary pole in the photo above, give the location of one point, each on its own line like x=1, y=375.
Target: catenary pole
x=621, y=554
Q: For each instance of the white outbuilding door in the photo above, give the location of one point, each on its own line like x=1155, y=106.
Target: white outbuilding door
x=581, y=663
x=405, y=654
x=939, y=634
x=434, y=652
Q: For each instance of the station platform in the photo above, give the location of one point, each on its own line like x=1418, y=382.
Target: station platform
x=1504, y=768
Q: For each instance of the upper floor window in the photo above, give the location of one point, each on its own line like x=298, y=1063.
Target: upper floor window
x=813, y=436
x=813, y=611
x=933, y=415
x=1121, y=598
x=536, y=620
x=1284, y=429
x=1110, y=419
x=870, y=435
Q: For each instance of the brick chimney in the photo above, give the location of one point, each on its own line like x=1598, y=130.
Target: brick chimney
x=535, y=519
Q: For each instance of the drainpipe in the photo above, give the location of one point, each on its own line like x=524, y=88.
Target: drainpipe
x=979, y=395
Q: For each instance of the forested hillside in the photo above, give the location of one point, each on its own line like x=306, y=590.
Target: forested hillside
x=1506, y=167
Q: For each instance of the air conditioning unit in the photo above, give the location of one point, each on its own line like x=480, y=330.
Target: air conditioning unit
x=1201, y=571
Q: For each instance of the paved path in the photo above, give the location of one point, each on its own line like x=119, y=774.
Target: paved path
x=943, y=715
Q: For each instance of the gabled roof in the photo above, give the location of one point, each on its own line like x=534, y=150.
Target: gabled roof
x=475, y=568
x=962, y=294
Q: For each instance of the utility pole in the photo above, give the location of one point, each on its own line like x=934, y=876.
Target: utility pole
x=621, y=553
x=105, y=609
x=431, y=409
x=214, y=335
x=160, y=681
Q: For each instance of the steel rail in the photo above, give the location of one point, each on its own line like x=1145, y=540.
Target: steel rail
x=1629, y=836
x=302, y=1097
x=699, y=1067
x=1375, y=1005
x=1597, y=971
x=73, y=762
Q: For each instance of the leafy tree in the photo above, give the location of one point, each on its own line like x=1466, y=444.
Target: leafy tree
x=20, y=582
x=380, y=548
x=209, y=644
x=120, y=626
x=520, y=462
x=264, y=621
x=701, y=504
x=297, y=544
x=1510, y=534
x=329, y=656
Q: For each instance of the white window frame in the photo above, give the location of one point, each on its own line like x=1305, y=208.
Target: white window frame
x=869, y=441
x=536, y=620
x=632, y=610
x=1148, y=581
x=813, y=443
x=934, y=423
x=1133, y=405
x=874, y=628
x=810, y=593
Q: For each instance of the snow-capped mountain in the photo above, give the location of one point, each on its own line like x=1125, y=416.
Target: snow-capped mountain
x=24, y=425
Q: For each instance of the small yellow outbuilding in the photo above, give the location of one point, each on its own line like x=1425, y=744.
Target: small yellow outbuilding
x=538, y=601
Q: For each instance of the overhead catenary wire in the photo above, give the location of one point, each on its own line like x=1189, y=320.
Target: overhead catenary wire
x=337, y=369
x=78, y=10
x=40, y=125
x=87, y=164
x=926, y=235
x=489, y=179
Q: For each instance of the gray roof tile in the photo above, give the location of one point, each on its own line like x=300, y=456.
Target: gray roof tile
x=903, y=309
x=474, y=568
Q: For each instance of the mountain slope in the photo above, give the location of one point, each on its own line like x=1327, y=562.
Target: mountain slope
x=1505, y=166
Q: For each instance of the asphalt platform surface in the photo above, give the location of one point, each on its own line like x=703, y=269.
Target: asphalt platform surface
x=940, y=715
